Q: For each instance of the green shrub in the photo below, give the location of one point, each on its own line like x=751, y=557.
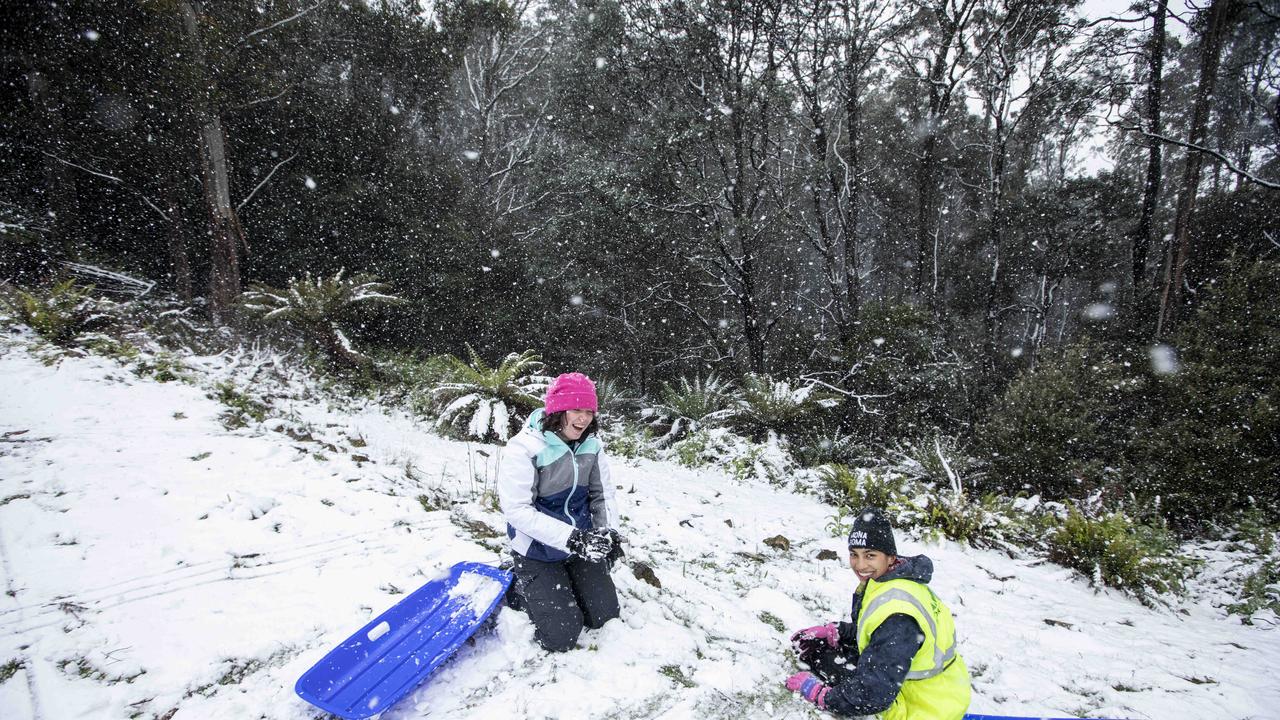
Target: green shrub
x=630, y=442
x=907, y=380
x=107, y=346
x=1056, y=430
x=1113, y=550
x=1254, y=533
x=241, y=408
x=60, y=314
x=412, y=370
x=990, y=521
x=163, y=368
x=616, y=401
x=938, y=461
x=857, y=489
x=821, y=447
x=1261, y=590
x=1212, y=451
x=694, y=450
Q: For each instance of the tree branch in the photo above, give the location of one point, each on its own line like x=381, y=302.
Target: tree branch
x=1209, y=151
x=258, y=187
x=275, y=25
x=112, y=178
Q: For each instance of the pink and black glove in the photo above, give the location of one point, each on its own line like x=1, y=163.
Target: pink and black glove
x=810, y=687
x=828, y=633
x=809, y=641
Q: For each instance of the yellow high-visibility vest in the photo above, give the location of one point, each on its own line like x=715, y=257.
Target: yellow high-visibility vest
x=937, y=685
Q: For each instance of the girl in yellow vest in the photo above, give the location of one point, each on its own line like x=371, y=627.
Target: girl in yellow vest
x=897, y=657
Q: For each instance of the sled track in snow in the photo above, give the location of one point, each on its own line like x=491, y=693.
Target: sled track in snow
x=187, y=577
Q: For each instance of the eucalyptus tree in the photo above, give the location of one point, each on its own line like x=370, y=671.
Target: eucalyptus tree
x=831, y=50
x=937, y=54
x=721, y=93
x=1032, y=76
x=1218, y=21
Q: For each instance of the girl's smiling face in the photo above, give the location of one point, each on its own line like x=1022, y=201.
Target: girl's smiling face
x=869, y=564
x=576, y=423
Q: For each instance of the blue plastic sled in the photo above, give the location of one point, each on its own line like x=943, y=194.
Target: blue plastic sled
x=397, y=650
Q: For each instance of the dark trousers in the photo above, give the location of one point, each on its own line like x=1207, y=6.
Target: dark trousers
x=561, y=597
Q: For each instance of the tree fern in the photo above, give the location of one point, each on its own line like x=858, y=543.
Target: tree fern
x=488, y=403
x=315, y=305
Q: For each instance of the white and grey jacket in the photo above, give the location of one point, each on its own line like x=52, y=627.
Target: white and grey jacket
x=547, y=489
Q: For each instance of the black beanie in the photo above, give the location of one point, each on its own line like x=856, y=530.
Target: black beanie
x=871, y=530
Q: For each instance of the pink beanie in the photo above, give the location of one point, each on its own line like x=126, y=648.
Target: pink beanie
x=571, y=391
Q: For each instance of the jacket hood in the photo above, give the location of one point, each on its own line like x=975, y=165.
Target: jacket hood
x=917, y=567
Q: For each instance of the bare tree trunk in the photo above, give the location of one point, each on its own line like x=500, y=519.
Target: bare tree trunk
x=1221, y=15
x=996, y=282
x=179, y=260
x=1155, y=169
x=225, y=234
x=60, y=188
x=852, y=213
x=927, y=192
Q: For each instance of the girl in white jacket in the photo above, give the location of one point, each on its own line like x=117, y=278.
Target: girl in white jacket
x=557, y=496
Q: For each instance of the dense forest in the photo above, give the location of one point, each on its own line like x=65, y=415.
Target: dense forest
x=1048, y=238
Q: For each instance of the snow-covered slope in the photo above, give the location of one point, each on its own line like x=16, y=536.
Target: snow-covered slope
x=157, y=565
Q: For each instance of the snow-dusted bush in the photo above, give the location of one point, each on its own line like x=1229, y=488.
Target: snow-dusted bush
x=902, y=379
x=1260, y=592
x=59, y=314
x=780, y=406
x=1114, y=550
x=822, y=446
x=629, y=441
x=857, y=488
x=315, y=305
x=687, y=407
x=931, y=509
x=1055, y=431
x=489, y=403
x=741, y=457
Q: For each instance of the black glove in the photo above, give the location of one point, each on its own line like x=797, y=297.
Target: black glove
x=616, y=553
x=592, y=545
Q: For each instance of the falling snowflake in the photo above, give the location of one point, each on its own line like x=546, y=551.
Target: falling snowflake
x=575, y=300
x=91, y=35
x=471, y=155
x=1164, y=359
x=311, y=184
x=1099, y=311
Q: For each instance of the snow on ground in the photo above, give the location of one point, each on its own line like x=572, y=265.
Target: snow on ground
x=157, y=565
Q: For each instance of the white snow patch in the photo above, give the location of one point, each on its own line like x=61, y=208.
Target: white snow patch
x=478, y=590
